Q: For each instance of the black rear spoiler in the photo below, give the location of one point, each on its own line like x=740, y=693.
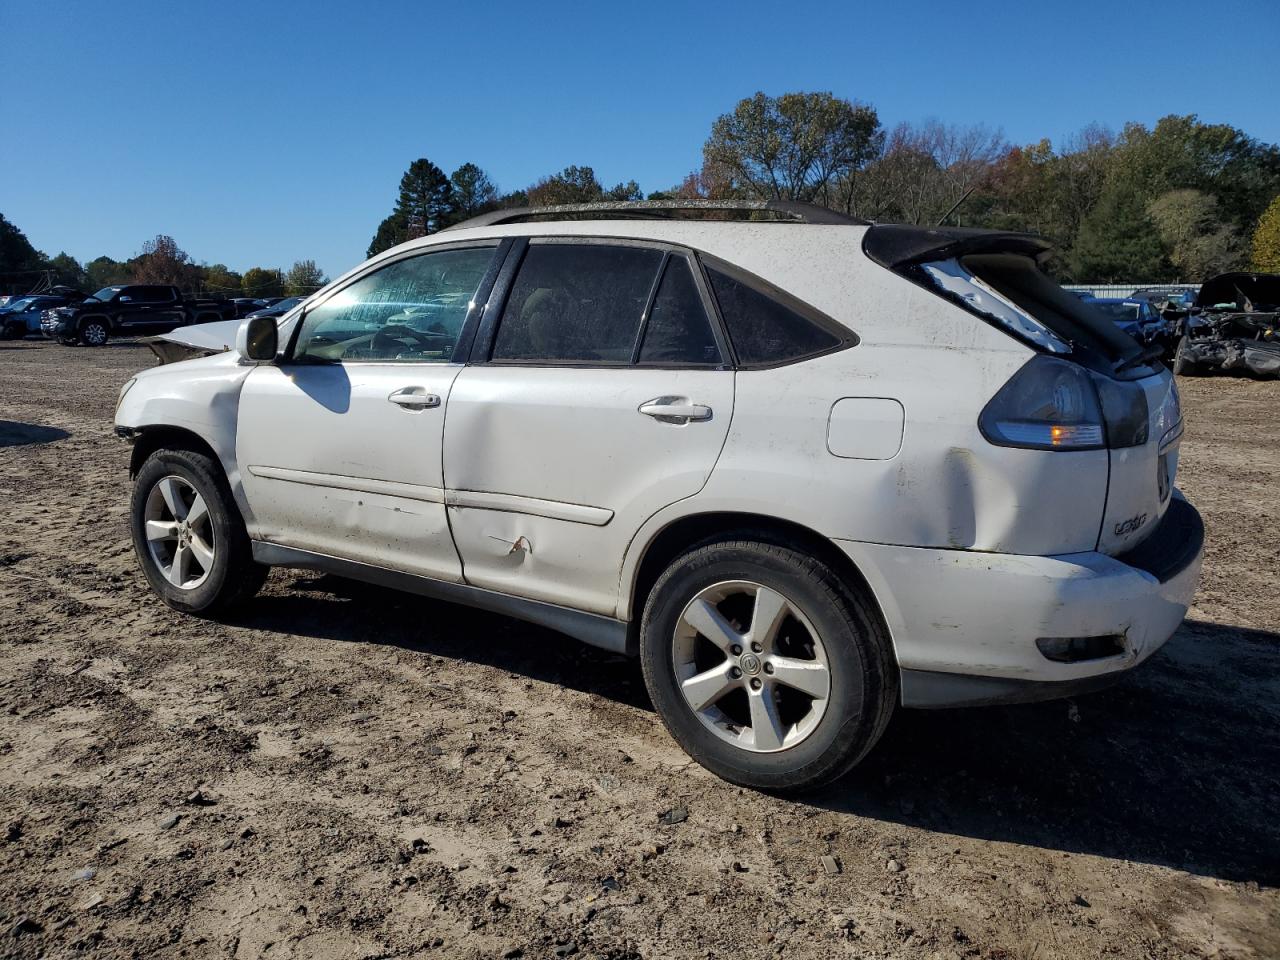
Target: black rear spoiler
x=896, y=245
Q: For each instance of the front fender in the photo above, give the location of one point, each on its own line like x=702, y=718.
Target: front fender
x=199, y=396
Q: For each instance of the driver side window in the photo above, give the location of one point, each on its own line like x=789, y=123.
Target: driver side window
x=410, y=311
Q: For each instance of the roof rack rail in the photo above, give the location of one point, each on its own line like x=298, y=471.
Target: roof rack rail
x=793, y=210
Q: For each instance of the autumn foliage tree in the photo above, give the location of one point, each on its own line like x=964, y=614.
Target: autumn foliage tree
x=162, y=261
x=1265, y=247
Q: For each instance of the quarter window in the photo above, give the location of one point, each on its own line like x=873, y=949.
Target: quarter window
x=410, y=311
x=577, y=303
x=678, y=331
x=764, y=331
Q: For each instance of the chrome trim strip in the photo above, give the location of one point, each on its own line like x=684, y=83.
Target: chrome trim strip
x=512, y=503
x=390, y=488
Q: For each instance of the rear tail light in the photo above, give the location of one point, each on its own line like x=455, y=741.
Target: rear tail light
x=1052, y=404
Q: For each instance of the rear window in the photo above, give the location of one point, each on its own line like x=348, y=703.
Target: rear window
x=1070, y=320
x=764, y=331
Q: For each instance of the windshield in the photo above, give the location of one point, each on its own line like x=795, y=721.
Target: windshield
x=1118, y=312
x=106, y=293
x=17, y=306
x=287, y=304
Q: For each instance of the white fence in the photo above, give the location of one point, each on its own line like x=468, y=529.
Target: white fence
x=1121, y=290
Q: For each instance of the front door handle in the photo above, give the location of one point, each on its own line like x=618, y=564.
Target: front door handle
x=677, y=410
x=414, y=398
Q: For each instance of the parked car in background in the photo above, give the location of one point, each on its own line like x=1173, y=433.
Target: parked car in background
x=1138, y=318
x=806, y=474
x=128, y=310
x=1233, y=325
x=247, y=305
x=22, y=315
x=1173, y=303
x=279, y=308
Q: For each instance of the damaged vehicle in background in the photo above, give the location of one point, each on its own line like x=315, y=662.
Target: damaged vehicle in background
x=1233, y=325
x=203, y=339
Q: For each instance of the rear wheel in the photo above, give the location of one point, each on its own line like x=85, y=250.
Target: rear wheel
x=766, y=666
x=94, y=333
x=189, y=536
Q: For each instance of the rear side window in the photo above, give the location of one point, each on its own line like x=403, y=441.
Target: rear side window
x=764, y=331
x=678, y=331
x=577, y=303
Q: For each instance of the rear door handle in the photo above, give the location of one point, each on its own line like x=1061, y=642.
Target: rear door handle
x=676, y=410
x=414, y=398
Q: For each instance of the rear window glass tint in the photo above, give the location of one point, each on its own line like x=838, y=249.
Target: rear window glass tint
x=678, y=331
x=577, y=303
x=764, y=331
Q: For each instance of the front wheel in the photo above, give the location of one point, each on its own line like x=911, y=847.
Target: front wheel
x=94, y=333
x=1183, y=365
x=189, y=536
x=766, y=666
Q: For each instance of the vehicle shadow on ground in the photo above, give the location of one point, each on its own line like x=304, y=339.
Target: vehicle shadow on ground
x=1173, y=766
x=346, y=610
x=16, y=434
x=1176, y=765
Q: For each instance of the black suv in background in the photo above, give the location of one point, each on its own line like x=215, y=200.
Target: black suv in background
x=130, y=310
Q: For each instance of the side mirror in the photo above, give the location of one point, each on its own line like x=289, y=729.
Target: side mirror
x=257, y=339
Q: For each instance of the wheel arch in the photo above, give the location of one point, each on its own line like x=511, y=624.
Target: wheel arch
x=150, y=439
x=695, y=530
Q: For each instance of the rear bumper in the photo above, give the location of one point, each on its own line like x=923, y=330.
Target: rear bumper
x=965, y=624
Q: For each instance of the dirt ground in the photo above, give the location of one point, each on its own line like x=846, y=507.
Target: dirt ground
x=348, y=772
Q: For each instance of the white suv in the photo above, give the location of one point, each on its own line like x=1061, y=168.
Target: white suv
x=807, y=469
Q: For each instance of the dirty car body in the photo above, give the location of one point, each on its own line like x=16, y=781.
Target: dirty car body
x=1233, y=326
x=807, y=471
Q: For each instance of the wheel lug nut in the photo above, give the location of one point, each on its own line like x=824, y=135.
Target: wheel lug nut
x=755, y=683
x=737, y=650
x=756, y=647
x=768, y=668
x=735, y=672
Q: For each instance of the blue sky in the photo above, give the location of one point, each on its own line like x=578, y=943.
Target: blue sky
x=259, y=133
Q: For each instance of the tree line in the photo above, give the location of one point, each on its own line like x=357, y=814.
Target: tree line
x=160, y=261
x=1178, y=201
x=1175, y=202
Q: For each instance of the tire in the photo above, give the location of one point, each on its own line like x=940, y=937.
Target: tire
x=14, y=331
x=94, y=333
x=1183, y=365
x=851, y=642
x=192, y=584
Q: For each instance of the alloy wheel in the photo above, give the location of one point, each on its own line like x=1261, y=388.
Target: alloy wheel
x=751, y=666
x=95, y=334
x=179, y=532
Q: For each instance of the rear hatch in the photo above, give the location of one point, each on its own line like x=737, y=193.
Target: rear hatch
x=998, y=277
